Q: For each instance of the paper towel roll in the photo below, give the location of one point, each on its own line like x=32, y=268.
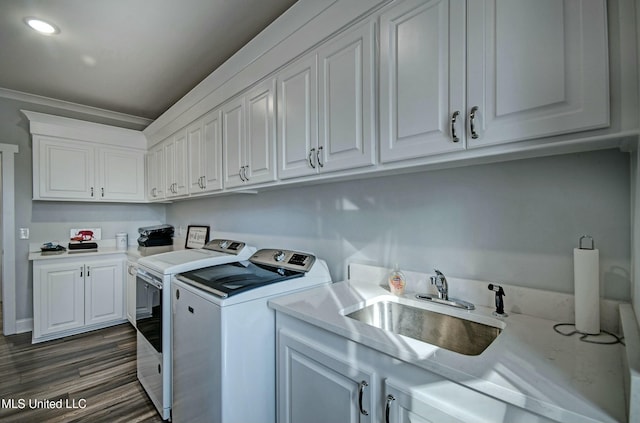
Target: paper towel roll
x=586, y=276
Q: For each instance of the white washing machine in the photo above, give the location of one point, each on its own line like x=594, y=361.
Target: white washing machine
x=153, y=321
x=224, y=348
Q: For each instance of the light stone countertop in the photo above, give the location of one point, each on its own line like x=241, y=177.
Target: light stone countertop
x=529, y=365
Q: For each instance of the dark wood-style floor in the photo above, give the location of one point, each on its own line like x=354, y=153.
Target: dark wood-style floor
x=96, y=370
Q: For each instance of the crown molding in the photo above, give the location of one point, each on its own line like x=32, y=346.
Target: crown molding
x=74, y=107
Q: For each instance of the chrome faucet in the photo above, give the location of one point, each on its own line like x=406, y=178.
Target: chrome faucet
x=441, y=284
x=443, y=293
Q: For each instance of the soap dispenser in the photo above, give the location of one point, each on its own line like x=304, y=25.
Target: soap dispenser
x=397, y=281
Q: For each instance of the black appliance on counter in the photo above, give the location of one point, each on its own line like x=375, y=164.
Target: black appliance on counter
x=155, y=236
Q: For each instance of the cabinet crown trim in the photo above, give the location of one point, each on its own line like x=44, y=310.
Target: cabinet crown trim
x=57, y=126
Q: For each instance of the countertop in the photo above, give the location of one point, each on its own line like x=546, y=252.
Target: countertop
x=133, y=252
x=529, y=365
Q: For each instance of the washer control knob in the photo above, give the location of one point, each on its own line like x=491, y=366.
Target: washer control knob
x=224, y=243
x=278, y=256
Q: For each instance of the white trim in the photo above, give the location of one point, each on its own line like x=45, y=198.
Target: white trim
x=74, y=107
x=67, y=128
x=8, y=239
x=24, y=325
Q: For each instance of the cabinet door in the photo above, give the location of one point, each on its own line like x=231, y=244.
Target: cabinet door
x=121, y=175
x=260, y=134
x=297, y=118
x=422, y=78
x=103, y=291
x=212, y=151
x=58, y=298
x=156, y=167
x=346, y=101
x=318, y=387
x=175, y=152
x=196, y=148
x=403, y=407
x=536, y=68
x=233, y=137
x=131, y=292
x=66, y=169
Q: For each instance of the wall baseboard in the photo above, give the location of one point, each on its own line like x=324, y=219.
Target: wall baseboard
x=24, y=325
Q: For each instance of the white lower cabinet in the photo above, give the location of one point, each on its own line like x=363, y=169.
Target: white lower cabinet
x=318, y=386
x=73, y=296
x=324, y=377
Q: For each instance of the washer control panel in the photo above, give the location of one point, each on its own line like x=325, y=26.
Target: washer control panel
x=287, y=259
x=225, y=246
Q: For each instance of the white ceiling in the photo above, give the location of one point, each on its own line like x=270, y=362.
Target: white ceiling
x=130, y=56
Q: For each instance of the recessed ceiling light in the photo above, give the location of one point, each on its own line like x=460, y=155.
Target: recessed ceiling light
x=41, y=26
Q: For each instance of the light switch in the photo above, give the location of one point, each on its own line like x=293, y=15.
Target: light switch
x=24, y=233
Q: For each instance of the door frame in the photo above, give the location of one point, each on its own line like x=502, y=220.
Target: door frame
x=7, y=151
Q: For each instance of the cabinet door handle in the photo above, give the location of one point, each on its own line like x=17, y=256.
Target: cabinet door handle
x=313, y=150
x=88, y=271
x=454, y=118
x=246, y=178
x=472, y=122
x=153, y=192
x=92, y=191
x=361, y=387
x=102, y=192
x=387, y=408
x=319, y=158
x=240, y=174
x=81, y=271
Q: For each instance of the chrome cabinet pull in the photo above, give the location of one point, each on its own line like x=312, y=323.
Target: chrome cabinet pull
x=454, y=118
x=387, y=408
x=472, y=122
x=102, y=192
x=240, y=174
x=92, y=191
x=81, y=271
x=246, y=168
x=313, y=150
x=88, y=271
x=153, y=192
x=361, y=387
x=318, y=157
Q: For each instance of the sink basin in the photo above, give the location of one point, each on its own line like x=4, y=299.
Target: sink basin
x=449, y=332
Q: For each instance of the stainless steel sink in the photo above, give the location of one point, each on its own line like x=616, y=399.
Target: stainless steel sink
x=449, y=332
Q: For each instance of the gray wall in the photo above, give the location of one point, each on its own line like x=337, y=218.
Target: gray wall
x=52, y=221
x=514, y=222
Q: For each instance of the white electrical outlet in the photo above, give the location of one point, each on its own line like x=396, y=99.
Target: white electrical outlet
x=24, y=233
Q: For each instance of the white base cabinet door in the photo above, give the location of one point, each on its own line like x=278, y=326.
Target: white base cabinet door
x=104, y=295
x=71, y=296
x=58, y=298
x=317, y=387
x=130, y=280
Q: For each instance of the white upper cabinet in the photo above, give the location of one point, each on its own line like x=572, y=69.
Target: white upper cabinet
x=326, y=107
x=76, y=170
x=421, y=78
x=121, y=174
x=536, y=68
x=175, y=155
x=298, y=118
x=456, y=74
x=205, y=154
x=74, y=160
x=249, y=137
x=156, y=173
